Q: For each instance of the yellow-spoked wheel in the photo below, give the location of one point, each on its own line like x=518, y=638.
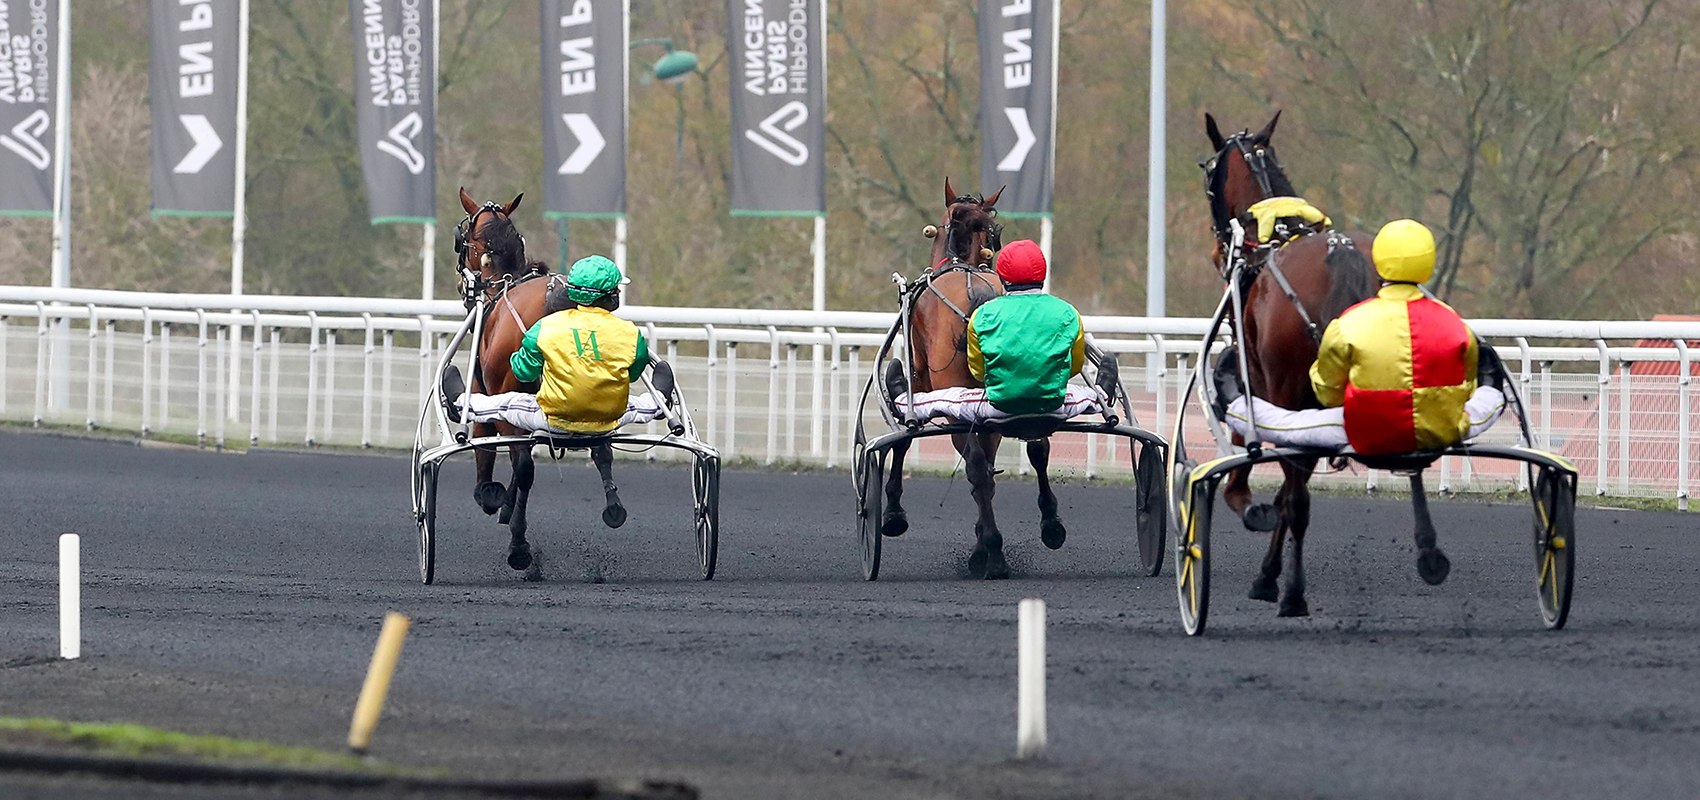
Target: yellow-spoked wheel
x=1555, y=544
x=1192, y=557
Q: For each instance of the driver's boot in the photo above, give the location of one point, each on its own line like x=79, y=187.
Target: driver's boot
x=1226, y=377
x=661, y=377
x=896, y=385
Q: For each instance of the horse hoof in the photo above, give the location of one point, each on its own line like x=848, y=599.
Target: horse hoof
x=1052, y=532
x=490, y=496
x=977, y=563
x=1294, y=607
x=997, y=569
x=615, y=514
x=1262, y=590
x=1262, y=518
x=895, y=524
x=519, y=557
x=1434, y=566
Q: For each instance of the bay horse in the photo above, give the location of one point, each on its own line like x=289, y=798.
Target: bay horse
x=964, y=244
x=488, y=244
x=1329, y=273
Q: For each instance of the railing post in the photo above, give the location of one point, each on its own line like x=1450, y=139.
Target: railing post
x=224, y=332
x=201, y=377
x=854, y=379
x=164, y=377
x=791, y=400
x=1546, y=405
x=272, y=390
x=330, y=385
x=111, y=362
x=147, y=371
x=1683, y=378
x=731, y=398
x=41, y=371
x=1623, y=410
x=1523, y=391
x=366, y=386
x=389, y=379
x=1162, y=374
x=772, y=393
x=5, y=382
x=94, y=368
x=254, y=384
x=313, y=373
x=1603, y=407
x=713, y=419
x=833, y=389
x=817, y=403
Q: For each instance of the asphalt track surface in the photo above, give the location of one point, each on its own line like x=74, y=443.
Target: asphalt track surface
x=240, y=594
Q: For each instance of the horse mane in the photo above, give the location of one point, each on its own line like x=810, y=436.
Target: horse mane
x=1349, y=282
x=1279, y=184
x=505, y=246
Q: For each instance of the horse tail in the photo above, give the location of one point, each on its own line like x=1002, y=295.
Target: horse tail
x=1349, y=281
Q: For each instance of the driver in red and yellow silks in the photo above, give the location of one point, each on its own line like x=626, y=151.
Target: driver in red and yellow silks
x=1398, y=372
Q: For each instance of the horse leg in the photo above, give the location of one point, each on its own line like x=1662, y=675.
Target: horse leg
x=979, y=451
x=1263, y=587
x=1051, y=530
x=1432, y=564
x=519, y=551
x=613, y=514
x=896, y=520
x=1295, y=517
x=1258, y=518
x=489, y=493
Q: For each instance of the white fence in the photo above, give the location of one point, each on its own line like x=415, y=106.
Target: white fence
x=772, y=386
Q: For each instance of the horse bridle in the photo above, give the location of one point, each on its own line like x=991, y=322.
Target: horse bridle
x=994, y=234
x=1259, y=158
x=472, y=278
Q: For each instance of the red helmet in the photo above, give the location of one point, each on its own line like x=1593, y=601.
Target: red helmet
x=1022, y=262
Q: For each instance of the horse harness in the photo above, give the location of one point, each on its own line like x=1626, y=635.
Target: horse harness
x=1231, y=238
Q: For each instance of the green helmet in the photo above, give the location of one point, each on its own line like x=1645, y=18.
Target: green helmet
x=593, y=278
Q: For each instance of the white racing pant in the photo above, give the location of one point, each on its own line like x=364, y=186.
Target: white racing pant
x=520, y=410
x=970, y=405
x=1326, y=427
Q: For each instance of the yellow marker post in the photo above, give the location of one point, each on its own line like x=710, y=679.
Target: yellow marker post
x=371, y=703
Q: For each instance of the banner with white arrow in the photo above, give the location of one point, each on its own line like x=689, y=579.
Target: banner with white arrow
x=395, y=107
x=585, y=78
x=29, y=58
x=1018, y=99
x=777, y=55
x=192, y=81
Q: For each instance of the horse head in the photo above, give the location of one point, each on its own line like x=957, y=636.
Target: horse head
x=969, y=231
x=1243, y=171
x=487, y=242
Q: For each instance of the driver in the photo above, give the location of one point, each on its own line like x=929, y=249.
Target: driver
x=1397, y=373
x=585, y=357
x=1023, y=345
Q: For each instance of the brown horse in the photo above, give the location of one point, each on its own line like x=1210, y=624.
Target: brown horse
x=964, y=243
x=1329, y=272
x=488, y=243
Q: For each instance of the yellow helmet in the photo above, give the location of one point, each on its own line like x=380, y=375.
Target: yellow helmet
x=1404, y=252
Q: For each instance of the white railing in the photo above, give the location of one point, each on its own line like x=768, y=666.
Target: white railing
x=769, y=385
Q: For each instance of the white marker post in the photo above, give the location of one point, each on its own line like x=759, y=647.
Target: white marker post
x=1030, y=710
x=70, y=597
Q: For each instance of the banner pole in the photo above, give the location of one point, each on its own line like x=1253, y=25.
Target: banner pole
x=1045, y=248
x=819, y=251
x=427, y=253
x=1156, y=234
x=620, y=252
x=239, y=217
x=61, y=259
x=428, y=248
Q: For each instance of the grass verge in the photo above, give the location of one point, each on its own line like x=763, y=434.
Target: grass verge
x=139, y=741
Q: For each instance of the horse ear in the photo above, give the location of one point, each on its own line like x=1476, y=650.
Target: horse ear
x=949, y=193
x=1214, y=132
x=993, y=200
x=1268, y=130
x=508, y=210
x=466, y=202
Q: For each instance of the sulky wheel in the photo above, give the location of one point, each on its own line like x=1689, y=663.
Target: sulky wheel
x=1555, y=544
x=1149, y=514
x=868, y=490
x=426, y=519
x=705, y=494
x=1192, y=557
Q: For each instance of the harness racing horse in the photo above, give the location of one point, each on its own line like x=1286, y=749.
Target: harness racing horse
x=1325, y=272
x=492, y=255
x=959, y=281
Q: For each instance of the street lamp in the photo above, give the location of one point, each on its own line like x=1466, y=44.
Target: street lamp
x=674, y=68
